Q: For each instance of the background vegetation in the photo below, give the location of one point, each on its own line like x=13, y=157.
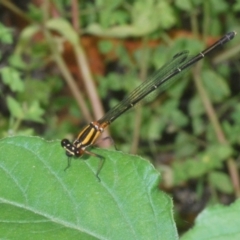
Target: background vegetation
x=65, y=63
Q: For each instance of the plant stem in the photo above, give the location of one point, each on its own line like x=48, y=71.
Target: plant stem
x=232, y=168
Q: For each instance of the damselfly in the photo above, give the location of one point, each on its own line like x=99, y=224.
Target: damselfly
x=157, y=82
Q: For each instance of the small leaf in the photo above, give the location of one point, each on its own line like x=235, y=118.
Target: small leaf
x=41, y=90
x=184, y=145
x=15, y=108
x=5, y=34
x=218, y=222
x=220, y=6
x=196, y=107
x=216, y=85
x=185, y=5
x=144, y=18
x=17, y=61
x=12, y=78
x=210, y=159
x=236, y=6
x=41, y=200
x=105, y=46
x=198, y=125
x=221, y=181
x=34, y=112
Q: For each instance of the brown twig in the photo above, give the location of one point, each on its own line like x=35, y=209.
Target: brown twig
x=232, y=168
x=87, y=77
x=62, y=65
x=75, y=16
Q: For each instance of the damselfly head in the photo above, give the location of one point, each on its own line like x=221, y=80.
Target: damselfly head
x=71, y=150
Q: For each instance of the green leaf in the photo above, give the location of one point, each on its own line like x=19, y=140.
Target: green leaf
x=170, y=112
x=109, y=17
x=109, y=4
x=144, y=19
x=40, y=200
x=196, y=107
x=12, y=78
x=15, y=108
x=17, y=61
x=221, y=181
x=154, y=129
x=41, y=89
x=236, y=6
x=219, y=6
x=35, y=13
x=198, y=125
x=105, y=46
x=232, y=132
x=34, y=112
x=216, y=223
x=216, y=85
x=5, y=34
x=210, y=159
x=184, y=145
x=185, y=5
x=235, y=115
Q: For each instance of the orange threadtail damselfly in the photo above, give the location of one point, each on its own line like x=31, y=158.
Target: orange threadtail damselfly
x=166, y=74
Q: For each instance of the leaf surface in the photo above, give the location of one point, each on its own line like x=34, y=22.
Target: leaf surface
x=39, y=199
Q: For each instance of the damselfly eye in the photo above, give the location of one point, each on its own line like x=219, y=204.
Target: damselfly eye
x=65, y=143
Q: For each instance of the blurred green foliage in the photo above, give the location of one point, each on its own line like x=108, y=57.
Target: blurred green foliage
x=175, y=122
